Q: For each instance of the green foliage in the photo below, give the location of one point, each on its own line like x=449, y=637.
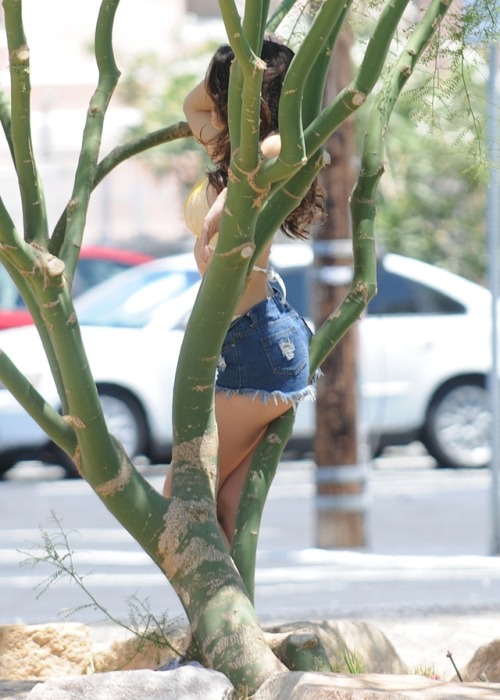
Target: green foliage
x=56, y=551
x=432, y=200
x=426, y=669
x=347, y=661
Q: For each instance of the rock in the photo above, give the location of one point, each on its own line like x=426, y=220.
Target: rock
x=15, y=690
x=296, y=685
x=185, y=683
x=43, y=651
x=188, y=683
x=135, y=653
x=349, y=644
x=485, y=664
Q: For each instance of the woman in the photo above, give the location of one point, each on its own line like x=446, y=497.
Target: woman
x=264, y=364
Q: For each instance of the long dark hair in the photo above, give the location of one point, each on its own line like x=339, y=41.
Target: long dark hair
x=277, y=57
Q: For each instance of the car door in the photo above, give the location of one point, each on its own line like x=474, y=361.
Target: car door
x=408, y=341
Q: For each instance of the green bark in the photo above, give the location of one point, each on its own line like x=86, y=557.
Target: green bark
x=304, y=651
x=181, y=534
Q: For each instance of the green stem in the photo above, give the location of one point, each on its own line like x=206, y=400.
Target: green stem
x=363, y=210
x=254, y=22
x=117, y=156
x=236, y=36
x=279, y=14
x=26, y=265
x=293, y=150
x=30, y=187
x=354, y=95
x=43, y=413
x=86, y=168
x=5, y=120
x=244, y=97
x=253, y=498
x=284, y=200
x=315, y=89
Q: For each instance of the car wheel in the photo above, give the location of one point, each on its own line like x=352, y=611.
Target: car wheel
x=5, y=465
x=125, y=420
x=458, y=428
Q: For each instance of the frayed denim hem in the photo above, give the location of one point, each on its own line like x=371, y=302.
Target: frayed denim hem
x=266, y=396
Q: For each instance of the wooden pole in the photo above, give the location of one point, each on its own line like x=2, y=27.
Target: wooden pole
x=340, y=480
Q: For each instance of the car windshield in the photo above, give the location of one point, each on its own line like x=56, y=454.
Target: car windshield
x=92, y=271
x=10, y=298
x=130, y=300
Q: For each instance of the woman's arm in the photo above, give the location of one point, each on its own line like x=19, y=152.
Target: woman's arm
x=198, y=110
x=271, y=146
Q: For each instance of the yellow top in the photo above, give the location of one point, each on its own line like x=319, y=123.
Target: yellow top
x=196, y=207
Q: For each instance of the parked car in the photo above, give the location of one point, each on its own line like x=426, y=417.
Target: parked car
x=424, y=349
x=95, y=265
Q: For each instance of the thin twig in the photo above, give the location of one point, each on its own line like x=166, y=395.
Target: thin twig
x=450, y=656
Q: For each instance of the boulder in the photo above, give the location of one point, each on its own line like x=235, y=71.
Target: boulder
x=15, y=690
x=485, y=664
x=185, y=683
x=188, y=683
x=296, y=685
x=44, y=651
x=351, y=645
x=133, y=653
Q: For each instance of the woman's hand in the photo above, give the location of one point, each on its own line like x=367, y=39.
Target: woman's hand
x=211, y=223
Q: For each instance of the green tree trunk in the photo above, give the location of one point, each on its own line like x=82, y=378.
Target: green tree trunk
x=181, y=534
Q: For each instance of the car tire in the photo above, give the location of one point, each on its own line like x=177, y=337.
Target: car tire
x=126, y=421
x=457, y=432
x=5, y=465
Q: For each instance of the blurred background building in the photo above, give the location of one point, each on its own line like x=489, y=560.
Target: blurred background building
x=135, y=206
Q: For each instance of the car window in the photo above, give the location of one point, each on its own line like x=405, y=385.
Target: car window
x=396, y=295
x=92, y=271
x=10, y=299
x=297, y=284
x=89, y=272
x=400, y=295
x=133, y=302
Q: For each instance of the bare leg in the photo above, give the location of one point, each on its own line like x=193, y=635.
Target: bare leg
x=167, y=486
x=242, y=422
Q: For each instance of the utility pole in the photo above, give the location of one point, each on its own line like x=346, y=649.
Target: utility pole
x=340, y=479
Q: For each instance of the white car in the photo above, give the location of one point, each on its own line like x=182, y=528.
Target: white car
x=424, y=347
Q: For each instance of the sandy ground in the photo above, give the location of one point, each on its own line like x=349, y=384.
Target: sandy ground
x=425, y=641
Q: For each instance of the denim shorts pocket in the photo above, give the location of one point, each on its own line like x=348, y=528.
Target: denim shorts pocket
x=286, y=351
x=228, y=359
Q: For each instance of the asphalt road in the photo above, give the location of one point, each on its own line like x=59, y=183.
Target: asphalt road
x=429, y=534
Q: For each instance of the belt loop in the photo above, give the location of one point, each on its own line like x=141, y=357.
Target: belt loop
x=280, y=303
x=250, y=314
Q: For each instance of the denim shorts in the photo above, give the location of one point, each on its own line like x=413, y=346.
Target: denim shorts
x=266, y=354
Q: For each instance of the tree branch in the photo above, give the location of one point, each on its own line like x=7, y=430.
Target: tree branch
x=69, y=248
x=43, y=413
x=30, y=187
x=363, y=286
x=355, y=94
